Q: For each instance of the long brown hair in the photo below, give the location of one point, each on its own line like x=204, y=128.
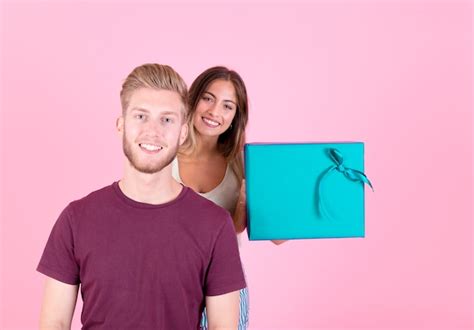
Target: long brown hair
x=231, y=142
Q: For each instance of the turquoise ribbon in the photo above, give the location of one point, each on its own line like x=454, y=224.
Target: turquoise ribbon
x=351, y=174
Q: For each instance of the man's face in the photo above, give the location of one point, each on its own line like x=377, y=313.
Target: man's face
x=152, y=129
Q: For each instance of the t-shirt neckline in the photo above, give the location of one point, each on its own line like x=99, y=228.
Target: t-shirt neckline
x=131, y=202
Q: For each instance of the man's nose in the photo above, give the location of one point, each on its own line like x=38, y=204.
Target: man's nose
x=154, y=127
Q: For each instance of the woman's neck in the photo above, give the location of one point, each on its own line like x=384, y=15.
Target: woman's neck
x=206, y=147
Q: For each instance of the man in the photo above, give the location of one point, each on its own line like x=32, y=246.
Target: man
x=147, y=251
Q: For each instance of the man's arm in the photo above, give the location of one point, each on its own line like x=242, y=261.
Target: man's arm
x=59, y=302
x=223, y=311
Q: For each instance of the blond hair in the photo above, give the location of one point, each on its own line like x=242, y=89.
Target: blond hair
x=155, y=76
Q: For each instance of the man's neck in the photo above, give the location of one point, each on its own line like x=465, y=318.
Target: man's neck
x=157, y=188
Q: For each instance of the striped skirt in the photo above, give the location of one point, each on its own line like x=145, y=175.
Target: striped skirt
x=244, y=312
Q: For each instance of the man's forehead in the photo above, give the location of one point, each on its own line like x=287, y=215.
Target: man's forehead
x=153, y=108
x=152, y=100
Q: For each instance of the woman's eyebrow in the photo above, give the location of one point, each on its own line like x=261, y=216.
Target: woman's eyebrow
x=206, y=92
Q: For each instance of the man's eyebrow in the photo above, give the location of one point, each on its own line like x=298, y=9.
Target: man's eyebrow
x=170, y=113
x=206, y=92
x=139, y=109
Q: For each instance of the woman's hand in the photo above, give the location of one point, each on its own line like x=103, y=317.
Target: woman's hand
x=278, y=241
x=240, y=213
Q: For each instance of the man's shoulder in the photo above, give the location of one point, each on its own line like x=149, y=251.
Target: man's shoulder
x=201, y=207
x=95, y=198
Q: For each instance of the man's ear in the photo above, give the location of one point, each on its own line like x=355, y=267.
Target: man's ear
x=119, y=124
x=184, y=133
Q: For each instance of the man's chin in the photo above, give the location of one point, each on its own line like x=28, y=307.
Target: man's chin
x=146, y=166
x=149, y=168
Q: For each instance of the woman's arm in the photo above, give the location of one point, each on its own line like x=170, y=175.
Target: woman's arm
x=240, y=214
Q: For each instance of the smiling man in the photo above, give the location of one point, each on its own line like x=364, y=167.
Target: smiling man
x=147, y=252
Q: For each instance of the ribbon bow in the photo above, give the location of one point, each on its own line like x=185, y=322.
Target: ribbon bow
x=351, y=174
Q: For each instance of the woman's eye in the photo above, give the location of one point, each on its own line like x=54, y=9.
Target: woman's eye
x=206, y=98
x=229, y=107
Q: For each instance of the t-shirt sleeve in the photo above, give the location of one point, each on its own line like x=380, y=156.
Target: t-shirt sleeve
x=58, y=260
x=225, y=272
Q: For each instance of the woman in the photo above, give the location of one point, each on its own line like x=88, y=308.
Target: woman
x=210, y=161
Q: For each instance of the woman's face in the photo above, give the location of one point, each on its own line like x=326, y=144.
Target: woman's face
x=216, y=108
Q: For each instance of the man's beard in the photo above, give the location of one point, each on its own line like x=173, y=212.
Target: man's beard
x=151, y=167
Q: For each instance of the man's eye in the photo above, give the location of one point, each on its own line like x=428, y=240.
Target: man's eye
x=141, y=117
x=168, y=120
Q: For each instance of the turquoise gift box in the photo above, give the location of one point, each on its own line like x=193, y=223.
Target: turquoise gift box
x=305, y=190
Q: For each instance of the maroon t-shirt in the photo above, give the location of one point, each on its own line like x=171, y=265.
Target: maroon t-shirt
x=143, y=266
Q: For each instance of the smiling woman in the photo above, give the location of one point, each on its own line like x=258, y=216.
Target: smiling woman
x=210, y=160
x=216, y=108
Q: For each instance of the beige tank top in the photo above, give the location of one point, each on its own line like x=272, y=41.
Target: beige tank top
x=225, y=194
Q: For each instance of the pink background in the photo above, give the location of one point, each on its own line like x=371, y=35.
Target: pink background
x=395, y=74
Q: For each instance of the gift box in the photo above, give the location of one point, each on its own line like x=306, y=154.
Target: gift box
x=305, y=190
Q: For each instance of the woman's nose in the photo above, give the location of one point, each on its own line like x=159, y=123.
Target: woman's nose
x=213, y=109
